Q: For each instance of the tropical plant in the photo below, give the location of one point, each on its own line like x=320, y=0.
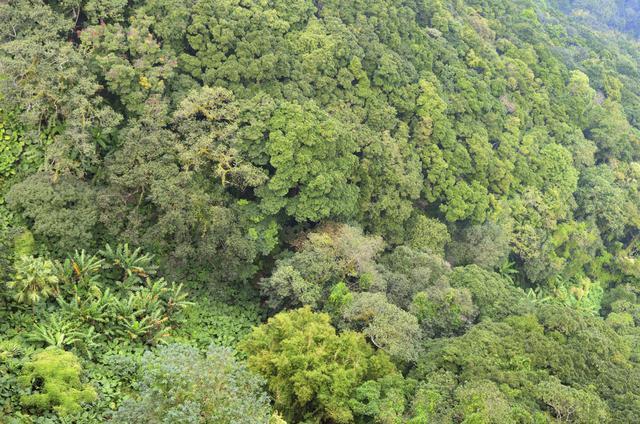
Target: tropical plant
x=146, y=313
x=132, y=265
x=80, y=270
x=584, y=294
x=507, y=269
x=94, y=308
x=61, y=332
x=34, y=280
x=55, y=332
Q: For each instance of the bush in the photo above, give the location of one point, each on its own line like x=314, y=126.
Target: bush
x=179, y=385
x=52, y=381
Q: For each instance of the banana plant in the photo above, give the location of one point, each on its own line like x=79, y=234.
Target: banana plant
x=96, y=307
x=56, y=332
x=157, y=294
x=148, y=329
x=146, y=313
x=80, y=271
x=508, y=270
x=176, y=299
x=89, y=341
x=133, y=266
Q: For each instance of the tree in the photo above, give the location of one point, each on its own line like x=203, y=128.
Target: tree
x=614, y=136
x=63, y=212
x=429, y=235
x=160, y=197
x=134, y=65
x=178, y=384
x=582, y=98
x=57, y=100
x=568, y=404
x=481, y=401
x=485, y=245
x=315, y=374
x=601, y=199
x=391, y=181
x=433, y=398
x=332, y=254
x=254, y=51
x=388, y=327
x=524, y=355
x=408, y=271
x=287, y=287
x=111, y=10
x=494, y=296
x=309, y=154
x=444, y=311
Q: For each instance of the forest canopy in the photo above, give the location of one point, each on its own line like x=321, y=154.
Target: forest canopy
x=319, y=211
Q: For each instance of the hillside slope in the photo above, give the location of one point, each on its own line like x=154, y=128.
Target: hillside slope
x=435, y=202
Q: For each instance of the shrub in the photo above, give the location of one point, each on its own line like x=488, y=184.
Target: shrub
x=52, y=380
x=179, y=385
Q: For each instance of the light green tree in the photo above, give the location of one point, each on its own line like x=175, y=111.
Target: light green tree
x=315, y=374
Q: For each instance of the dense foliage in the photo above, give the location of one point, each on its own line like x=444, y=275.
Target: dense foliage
x=179, y=385
x=381, y=211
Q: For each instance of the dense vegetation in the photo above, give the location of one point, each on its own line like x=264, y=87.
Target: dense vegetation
x=268, y=211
